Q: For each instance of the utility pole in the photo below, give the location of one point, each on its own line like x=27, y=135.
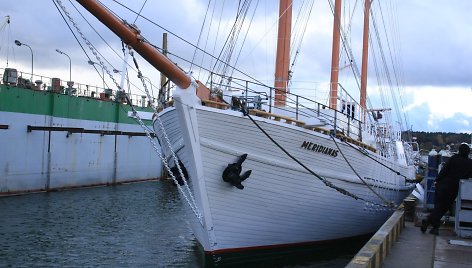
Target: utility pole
x=163, y=77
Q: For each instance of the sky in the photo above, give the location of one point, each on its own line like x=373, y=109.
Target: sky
x=430, y=44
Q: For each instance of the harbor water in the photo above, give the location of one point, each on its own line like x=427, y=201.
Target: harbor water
x=131, y=225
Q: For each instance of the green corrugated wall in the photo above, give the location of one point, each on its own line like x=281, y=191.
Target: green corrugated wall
x=21, y=100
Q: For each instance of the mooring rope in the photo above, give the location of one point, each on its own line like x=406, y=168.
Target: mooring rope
x=389, y=168
x=326, y=182
x=390, y=203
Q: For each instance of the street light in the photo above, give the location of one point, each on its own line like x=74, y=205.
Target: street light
x=70, y=63
x=18, y=43
x=103, y=72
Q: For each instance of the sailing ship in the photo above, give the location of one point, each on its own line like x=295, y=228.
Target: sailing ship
x=275, y=170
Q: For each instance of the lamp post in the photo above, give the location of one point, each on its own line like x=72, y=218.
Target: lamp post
x=70, y=63
x=18, y=43
x=103, y=72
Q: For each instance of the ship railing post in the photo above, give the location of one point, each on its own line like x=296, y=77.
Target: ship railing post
x=270, y=100
x=245, y=102
x=348, y=123
x=211, y=81
x=335, y=121
x=360, y=130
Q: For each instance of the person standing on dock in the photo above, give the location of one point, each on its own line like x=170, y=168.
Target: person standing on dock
x=458, y=167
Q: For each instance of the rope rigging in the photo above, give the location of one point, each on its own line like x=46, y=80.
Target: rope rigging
x=244, y=40
x=323, y=180
x=3, y=25
x=302, y=18
x=139, y=13
x=394, y=69
x=186, y=42
x=87, y=42
x=187, y=194
x=227, y=50
x=382, y=70
x=357, y=174
x=121, y=57
x=200, y=35
x=378, y=162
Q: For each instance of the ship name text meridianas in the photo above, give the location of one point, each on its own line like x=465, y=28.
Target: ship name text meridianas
x=319, y=148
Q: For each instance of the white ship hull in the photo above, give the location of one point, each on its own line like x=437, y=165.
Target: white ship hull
x=281, y=204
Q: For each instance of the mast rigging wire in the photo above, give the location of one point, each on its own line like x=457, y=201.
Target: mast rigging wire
x=85, y=52
x=226, y=52
x=80, y=44
x=183, y=40
x=304, y=17
x=95, y=30
x=207, y=37
x=200, y=35
x=137, y=16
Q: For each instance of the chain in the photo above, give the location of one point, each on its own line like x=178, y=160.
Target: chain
x=192, y=204
x=166, y=164
x=94, y=51
x=169, y=145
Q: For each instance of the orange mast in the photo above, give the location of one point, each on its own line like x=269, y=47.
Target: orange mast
x=283, y=52
x=333, y=93
x=365, y=58
x=132, y=38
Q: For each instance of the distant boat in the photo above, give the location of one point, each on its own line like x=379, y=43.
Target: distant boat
x=286, y=172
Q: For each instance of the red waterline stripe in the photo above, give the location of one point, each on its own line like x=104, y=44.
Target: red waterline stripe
x=266, y=247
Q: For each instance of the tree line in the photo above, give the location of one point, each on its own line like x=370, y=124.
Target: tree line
x=438, y=140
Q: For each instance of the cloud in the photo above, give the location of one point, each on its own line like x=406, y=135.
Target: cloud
x=440, y=108
x=436, y=43
x=459, y=123
x=418, y=117
x=443, y=101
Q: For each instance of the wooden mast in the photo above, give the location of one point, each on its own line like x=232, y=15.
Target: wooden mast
x=333, y=93
x=365, y=58
x=132, y=38
x=283, y=52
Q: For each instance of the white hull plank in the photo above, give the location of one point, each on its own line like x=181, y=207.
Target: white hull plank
x=281, y=203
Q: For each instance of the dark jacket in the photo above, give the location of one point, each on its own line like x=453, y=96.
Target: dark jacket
x=458, y=167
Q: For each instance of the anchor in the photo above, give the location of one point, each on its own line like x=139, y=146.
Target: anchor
x=178, y=177
x=232, y=172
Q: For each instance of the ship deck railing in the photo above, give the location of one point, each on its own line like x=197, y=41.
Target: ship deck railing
x=59, y=86
x=346, y=118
